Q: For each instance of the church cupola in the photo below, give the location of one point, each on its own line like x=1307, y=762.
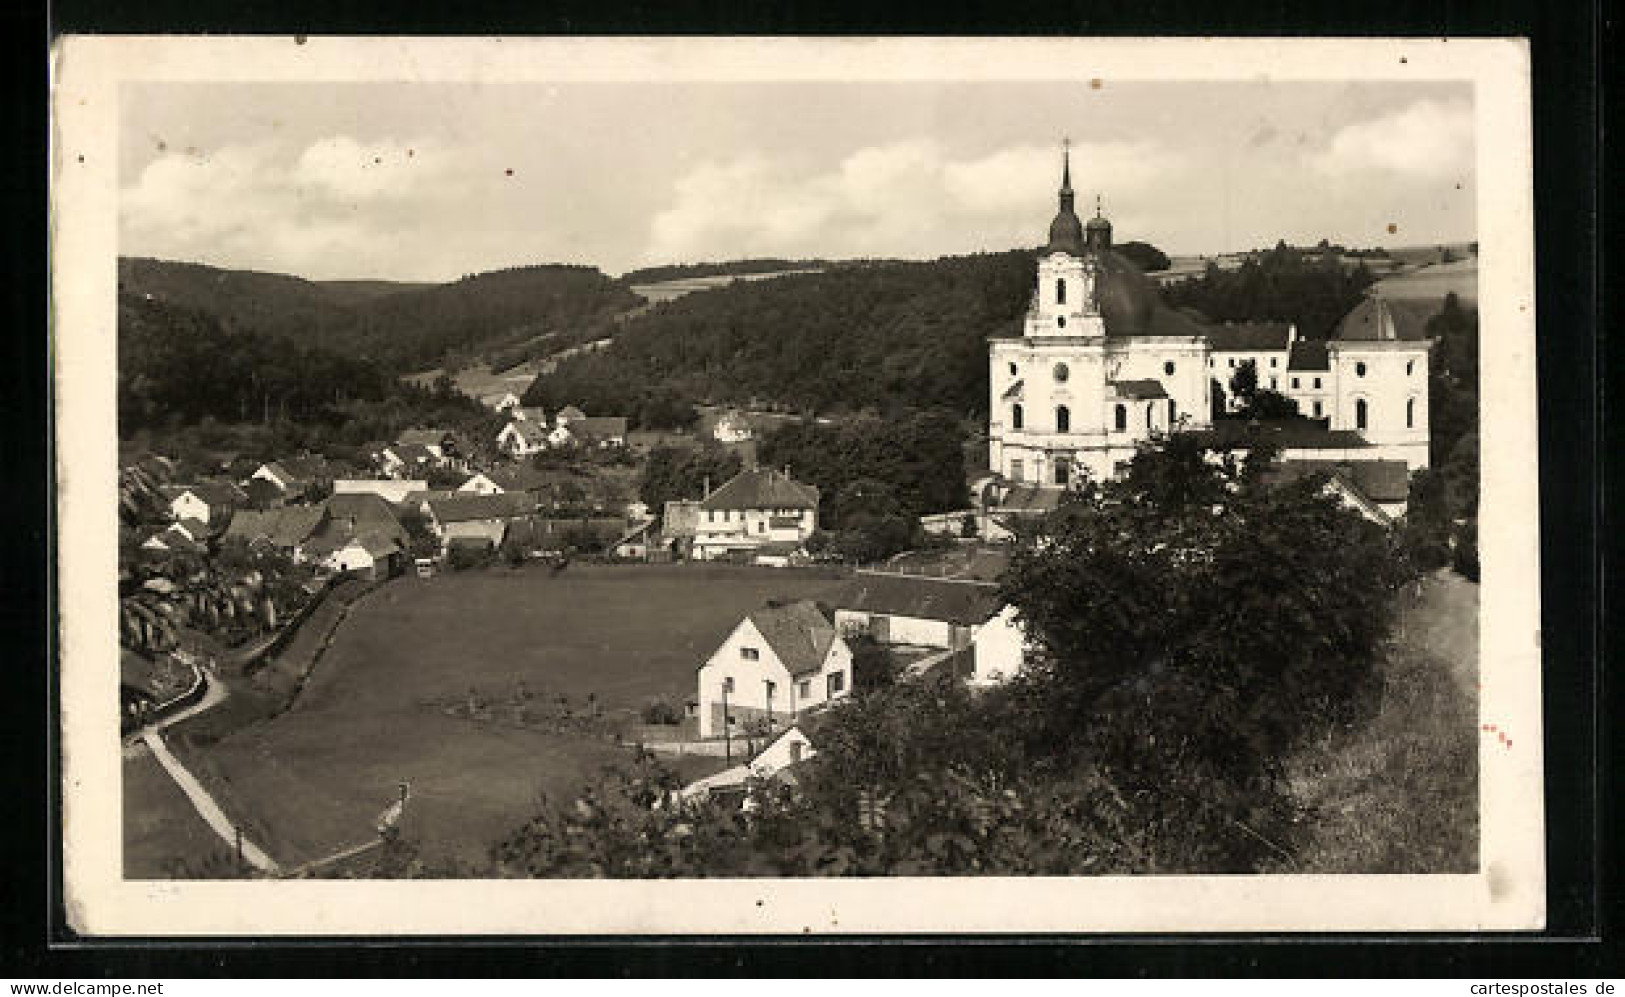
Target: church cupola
x=1066, y=232
x=1098, y=233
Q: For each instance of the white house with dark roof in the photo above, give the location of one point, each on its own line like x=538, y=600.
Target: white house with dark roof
x=755, y=509
x=779, y=662
x=951, y=614
x=522, y=437
x=209, y=501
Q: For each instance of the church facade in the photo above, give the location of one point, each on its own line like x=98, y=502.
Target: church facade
x=1102, y=365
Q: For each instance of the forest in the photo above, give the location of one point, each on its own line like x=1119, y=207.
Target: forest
x=1283, y=284
x=879, y=338
x=399, y=328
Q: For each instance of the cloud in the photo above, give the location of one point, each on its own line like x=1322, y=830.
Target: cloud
x=1430, y=139
x=333, y=207
x=904, y=198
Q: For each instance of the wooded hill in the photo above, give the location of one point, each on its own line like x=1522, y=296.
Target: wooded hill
x=398, y=327
x=882, y=337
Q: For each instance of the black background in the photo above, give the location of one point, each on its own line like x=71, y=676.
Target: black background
x=1569, y=42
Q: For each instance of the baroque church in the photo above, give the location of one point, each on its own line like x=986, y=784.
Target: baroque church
x=1102, y=364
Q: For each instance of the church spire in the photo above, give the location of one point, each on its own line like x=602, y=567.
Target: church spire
x=1066, y=174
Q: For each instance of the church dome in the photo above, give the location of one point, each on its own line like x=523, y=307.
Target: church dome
x=1098, y=223
x=1128, y=300
x=1065, y=233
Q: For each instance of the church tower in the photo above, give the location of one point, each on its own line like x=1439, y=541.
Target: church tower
x=1069, y=266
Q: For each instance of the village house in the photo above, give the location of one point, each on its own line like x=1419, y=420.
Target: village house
x=284, y=529
x=173, y=539
x=373, y=556
x=755, y=510
x=732, y=427
x=780, y=661
x=521, y=438
x=479, y=483
x=391, y=490
x=530, y=413
x=679, y=524
x=949, y=614
x=500, y=401
x=773, y=762
x=599, y=431
x=520, y=477
x=636, y=542
x=483, y=518
x=208, y=501
x=568, y=414
x=563, y=535
x=1379, y=490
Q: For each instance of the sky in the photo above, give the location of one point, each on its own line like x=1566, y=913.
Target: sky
x=431, y=181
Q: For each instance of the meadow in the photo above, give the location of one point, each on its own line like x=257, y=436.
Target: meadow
x=378, y=707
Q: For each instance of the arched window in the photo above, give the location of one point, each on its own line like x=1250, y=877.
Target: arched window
x=1361, y=415
x=1060, y=321
x=1168, y=368
x=1150, y=413
x=1015, y=416
x=1061, y=373
x=1410, y=413
x=1063, y=419
x=1060, y=291
x=1359, y=369
x=1410, y=367
x=1122, y=418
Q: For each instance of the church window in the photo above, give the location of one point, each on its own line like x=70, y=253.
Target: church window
x=1168, y=368
x=1015, y=416
x=1061, y=373
x=1318, y=410
x=1014, y=370
x=1361, y=413
x=1410, y=367
x=1173, y=411
x=1060, y=291
x=1060, y=321
x=1410, y=413
x=1063, y=419
x=1272, y=361
x=1294, y=384
x=1121, y=418
x=1150, y=414
x=1232, y=361
x=1274, y=383
x=1359, y=369
x=1317, y=384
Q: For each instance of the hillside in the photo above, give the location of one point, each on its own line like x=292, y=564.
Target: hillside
x=882, y=337
x=399, y=327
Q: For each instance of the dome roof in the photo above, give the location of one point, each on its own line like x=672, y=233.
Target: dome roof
x=1096, y=223
x=1065, y=233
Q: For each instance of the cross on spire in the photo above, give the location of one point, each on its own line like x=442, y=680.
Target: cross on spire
x=1097, y=205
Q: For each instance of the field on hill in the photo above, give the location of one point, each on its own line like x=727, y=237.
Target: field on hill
x=161, y=830
x=1433, y=282
x=381, y=705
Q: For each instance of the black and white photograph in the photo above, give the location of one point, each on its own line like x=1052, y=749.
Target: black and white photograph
x=796, y=486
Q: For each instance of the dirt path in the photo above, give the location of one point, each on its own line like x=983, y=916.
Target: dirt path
x=203, y=803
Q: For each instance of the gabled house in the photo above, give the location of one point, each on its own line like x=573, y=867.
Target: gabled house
x=1379, y=490
x=479, y=483
x=208, y=501
x=530, y=413
x=501, y=401
x=483, y=518
x=754, y=509
x=281, y=477
x=949, y=614
x=436, y=441
x=522, y=438
x=173, y=539
x=286, y=529
x=779, y=662
x=555, y=535
x=373, y=556
x=635, y=542
x=781, y=754
x=732, y=427
x=519, y=478
x=568, y=414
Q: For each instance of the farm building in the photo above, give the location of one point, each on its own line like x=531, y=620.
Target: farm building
x=753, y=509
x=947, y=613
x=286, y=529
x=479, y=483
x=780, y=660
x=373, y=556
x=482, y=517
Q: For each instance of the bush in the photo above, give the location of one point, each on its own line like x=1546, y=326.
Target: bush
x=662, y=711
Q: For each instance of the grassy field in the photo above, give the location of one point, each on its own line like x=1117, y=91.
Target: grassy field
x=161, y=830
x=315, y=777
x=1400, y=795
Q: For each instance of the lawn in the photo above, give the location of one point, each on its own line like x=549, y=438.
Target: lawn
x=161, y=830
x=315, y=778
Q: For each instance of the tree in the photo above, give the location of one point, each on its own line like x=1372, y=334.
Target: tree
x=1267, y=404
x=1144, y=255
x=421, y=541
x=1244, y=383
x=681, y=473
x=872, y=666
